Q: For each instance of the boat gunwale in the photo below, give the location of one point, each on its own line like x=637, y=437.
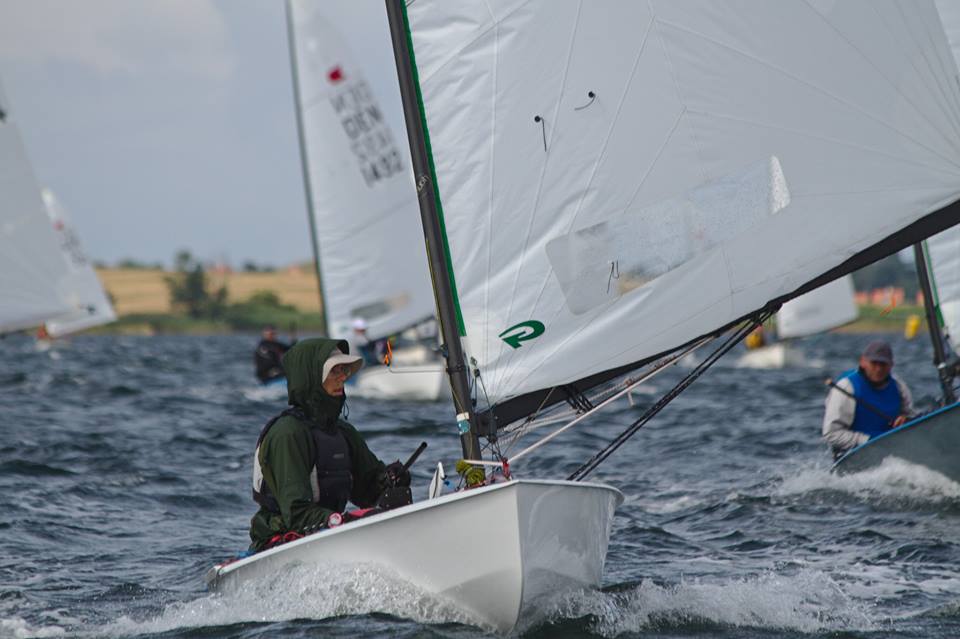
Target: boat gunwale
x=905, y=426
x=222, y=570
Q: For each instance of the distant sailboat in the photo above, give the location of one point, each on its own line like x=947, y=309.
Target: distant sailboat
x=820, y=310
x=84, y=290
x=363, y=209
x=604, y=187
x=34, y=276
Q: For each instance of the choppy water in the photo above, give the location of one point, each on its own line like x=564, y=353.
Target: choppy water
x=124, y=475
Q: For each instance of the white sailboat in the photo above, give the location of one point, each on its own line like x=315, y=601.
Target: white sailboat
x=606, y=186
x=820, y=310
x=34, y=277
x=84, y=291
x=361, y=199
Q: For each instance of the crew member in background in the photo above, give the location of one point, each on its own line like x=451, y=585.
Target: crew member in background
x=268, y=354
x=849, y=422
x=373, y=351
x=309, y=461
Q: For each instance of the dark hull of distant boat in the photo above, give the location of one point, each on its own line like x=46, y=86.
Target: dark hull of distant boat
x=932, y=440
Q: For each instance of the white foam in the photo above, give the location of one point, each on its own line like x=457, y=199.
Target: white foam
x=266, y=393
x=894, y=478
x=17, y=628
x=303, y=592
x=808, y=601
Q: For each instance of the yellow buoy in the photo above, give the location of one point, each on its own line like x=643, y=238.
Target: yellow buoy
x=912, y=326
x=755, y=339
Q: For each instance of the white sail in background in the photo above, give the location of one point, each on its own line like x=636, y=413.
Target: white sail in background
x=943, y=252
x=367, y=218
x=943, y=249
x=618, y=179
x=84, y=291
x=33, y=273
x=821, y=309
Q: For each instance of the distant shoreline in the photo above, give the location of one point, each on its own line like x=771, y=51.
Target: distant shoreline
x=142, y=302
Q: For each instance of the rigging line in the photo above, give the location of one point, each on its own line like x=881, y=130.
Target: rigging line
x=735, y=338
x=478, y=384
x=528, y=424
x=604, y=396
x=660, y=366
x=800, y=81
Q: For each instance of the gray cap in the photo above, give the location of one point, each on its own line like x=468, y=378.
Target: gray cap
x=878, y=351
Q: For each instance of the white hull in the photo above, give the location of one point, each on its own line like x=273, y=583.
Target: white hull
x=780, y=355
x=932, y=440
x=494, y=552
x=425, y=382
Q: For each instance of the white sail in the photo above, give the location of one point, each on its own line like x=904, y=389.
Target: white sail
x=84, y=291
x=365, y=205
x=821, y=309
x=33, y=273
x=618, y=178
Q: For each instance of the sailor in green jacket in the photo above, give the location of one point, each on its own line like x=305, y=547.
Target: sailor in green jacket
x=309, y=462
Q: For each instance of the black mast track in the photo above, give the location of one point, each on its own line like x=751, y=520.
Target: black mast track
x=933, y=324
x=432, y=231
x=307, y=189
x=522, y=406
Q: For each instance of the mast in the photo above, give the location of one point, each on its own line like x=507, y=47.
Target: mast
x=308, y=191
x=933, y=323
x=432, y=230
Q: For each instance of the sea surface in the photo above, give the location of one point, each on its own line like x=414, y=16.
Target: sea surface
x=125, y=470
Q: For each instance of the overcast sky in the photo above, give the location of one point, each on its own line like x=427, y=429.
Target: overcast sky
x=169, y=124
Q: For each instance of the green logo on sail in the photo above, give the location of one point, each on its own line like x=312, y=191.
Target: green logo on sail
x=522, y=332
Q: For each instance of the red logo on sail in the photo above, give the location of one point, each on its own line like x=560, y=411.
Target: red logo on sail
x=335, y=75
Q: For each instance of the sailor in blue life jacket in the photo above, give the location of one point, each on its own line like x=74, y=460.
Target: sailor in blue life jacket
x=849, y=422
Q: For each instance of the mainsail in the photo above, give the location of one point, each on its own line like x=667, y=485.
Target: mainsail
x=364, y=204
x=83, y=289
x=821, y=309
x=619, y=179
x=33, y=273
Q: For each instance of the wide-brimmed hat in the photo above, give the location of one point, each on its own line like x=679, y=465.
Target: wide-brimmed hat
x=354, y=361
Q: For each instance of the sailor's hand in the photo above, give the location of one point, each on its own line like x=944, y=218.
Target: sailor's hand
x=899, y=421
x=334, y=520
x=397, y=474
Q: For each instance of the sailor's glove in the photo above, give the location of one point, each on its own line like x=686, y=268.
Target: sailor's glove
x=334, y=519
x=397, y=474
x=473, y=475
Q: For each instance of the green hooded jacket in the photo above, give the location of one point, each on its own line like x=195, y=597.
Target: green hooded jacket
x=287, y=452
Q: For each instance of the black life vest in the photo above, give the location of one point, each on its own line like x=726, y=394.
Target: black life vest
x=331, y=478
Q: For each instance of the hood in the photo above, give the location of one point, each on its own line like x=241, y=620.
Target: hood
x=303, y=365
